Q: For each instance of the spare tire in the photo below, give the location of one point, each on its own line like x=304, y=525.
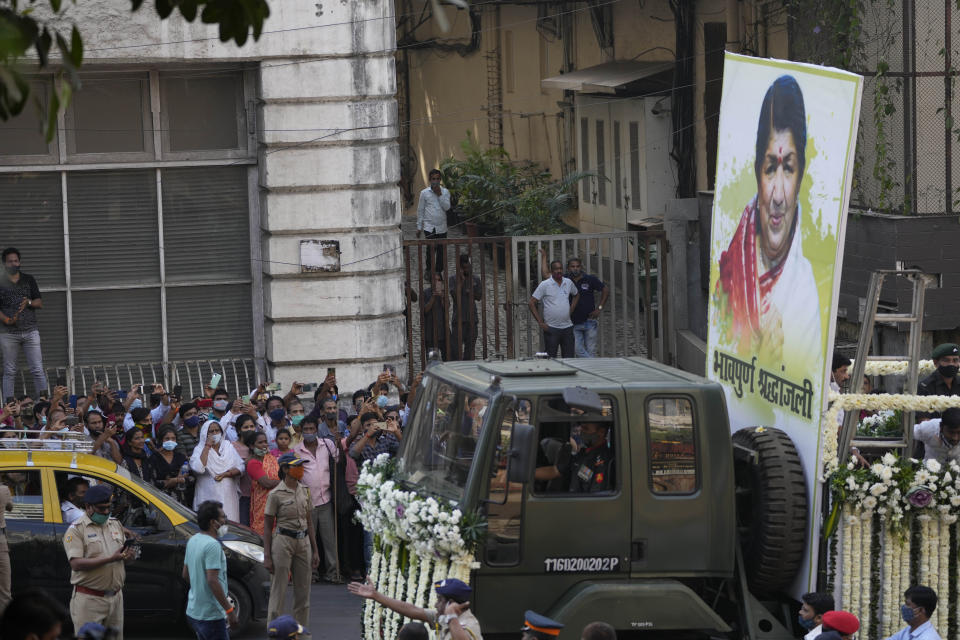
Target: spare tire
x=771, y=505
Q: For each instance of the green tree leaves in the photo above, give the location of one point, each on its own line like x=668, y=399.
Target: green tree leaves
x=22, y=31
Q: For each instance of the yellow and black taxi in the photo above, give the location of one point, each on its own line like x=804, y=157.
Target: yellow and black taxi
x=155, y=591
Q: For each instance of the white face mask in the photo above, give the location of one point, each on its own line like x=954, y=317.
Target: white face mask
x=222, y=530
x=217, y=438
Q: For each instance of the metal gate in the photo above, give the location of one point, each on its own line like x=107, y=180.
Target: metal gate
x=239, y=375
x=629, y=263
x=633, y=321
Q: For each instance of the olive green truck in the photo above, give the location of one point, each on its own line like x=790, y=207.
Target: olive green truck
x=664, y=526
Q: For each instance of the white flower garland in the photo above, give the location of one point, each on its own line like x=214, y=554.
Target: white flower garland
x=873, y=402
x=887, y=580
x=430, y=531
x=895, y=367
x=846, y=540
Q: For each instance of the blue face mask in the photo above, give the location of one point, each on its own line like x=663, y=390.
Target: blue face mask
x=806, y=624
x=169, y=445
x=193, y=421
x=907, y=613
x=382, y=401
x=277, y=415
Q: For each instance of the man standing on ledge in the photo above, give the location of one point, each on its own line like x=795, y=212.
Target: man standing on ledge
x=943, y=381
x=19, y=300
x=432, y=217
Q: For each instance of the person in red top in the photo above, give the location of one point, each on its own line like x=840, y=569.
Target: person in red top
x=264, y=473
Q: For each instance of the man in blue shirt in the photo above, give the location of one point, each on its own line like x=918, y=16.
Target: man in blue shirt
x=919, y=603
x=205, y=568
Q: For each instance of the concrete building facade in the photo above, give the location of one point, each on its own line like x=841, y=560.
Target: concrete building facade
x=249, y=193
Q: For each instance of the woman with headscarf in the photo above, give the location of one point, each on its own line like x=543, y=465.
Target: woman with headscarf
x=217, y=467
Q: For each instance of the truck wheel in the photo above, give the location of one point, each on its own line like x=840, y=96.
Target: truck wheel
x=771, y=504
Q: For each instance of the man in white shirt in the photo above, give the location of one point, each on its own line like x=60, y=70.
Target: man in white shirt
x=940, y=436
x=75, y=491
x=559, y=297
x=919, y=603
x=432, y=217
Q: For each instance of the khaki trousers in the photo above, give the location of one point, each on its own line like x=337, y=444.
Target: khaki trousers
x=107, y=611
x=290, y=556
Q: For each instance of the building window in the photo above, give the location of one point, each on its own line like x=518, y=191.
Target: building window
x=635, y=166
x=673, y=450
x=617, y=165
x=156, y=263
x=601, y=165
x=509, y=66
x=585, y=159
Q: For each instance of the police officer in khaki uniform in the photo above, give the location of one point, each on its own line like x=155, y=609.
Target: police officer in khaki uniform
x=451, y=618
x=292, y=547
x=95, y=548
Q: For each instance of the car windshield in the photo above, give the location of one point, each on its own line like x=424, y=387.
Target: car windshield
x=440, y=440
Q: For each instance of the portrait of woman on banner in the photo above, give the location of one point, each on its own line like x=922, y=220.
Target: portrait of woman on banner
x=766, y=293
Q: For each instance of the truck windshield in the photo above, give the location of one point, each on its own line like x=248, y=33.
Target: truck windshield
x=441, y=438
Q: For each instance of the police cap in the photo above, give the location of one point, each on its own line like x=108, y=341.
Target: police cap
x=98, y=494
x=453, y=589
x=284, y=626
x=540, y=626
x=290, y=459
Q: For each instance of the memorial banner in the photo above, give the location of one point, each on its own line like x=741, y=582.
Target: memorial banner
x=784, y=166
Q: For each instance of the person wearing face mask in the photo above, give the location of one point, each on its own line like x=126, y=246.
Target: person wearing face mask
x=94, y=545
x=940, y=436
x=189, y=433
x=19, y=301
x=274, y=419
x=290, y=550
x=330, y=416
x=812, y=607
x=171, y=468
x=135, y=455
x=245, y=425
x=591, y=468
x=217, y=467
x=262, y=471
x=74, y=493
x=919, y=603
x=225, y=413
x=320, y=455
x=943, y=381
x=559, y=297
x=209, y=612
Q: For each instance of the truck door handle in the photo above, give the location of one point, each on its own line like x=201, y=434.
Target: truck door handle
x=638, y=550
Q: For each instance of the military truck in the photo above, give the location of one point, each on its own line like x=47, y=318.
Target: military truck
x=692, y=533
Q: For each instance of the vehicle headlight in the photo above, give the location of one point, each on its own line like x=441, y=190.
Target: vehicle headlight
x=252, y=551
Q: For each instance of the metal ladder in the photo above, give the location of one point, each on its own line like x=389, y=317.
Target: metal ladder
x=870, y=318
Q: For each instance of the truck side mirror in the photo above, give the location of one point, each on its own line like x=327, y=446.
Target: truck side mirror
x=521, y=453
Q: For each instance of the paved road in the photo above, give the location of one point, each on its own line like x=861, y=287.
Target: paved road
x=334, y=615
